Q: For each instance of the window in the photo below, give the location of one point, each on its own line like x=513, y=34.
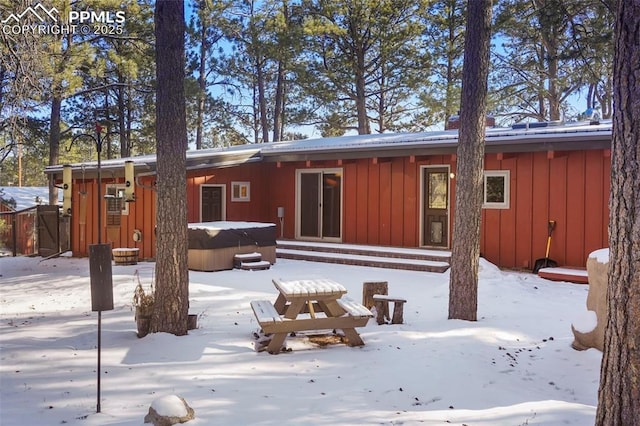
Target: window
x=240, y=191
x=496, y=189
x=116, y=206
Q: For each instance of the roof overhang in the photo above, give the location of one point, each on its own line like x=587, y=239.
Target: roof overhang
x=147, y=165
x=569, y=137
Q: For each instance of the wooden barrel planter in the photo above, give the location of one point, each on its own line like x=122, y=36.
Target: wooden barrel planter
x=143, y=324
x=125, y=256
x=192, y=322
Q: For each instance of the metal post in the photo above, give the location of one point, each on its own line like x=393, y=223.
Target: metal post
x=99, y=349
x=100, y=260
x=99, y=151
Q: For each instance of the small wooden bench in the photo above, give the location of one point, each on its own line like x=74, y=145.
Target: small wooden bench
x=381, y=302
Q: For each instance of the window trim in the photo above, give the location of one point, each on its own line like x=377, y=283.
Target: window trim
x=506, y=175
x=119, y=188
x=240, y=186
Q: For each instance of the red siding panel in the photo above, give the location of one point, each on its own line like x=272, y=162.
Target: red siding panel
x=558, y=208
x=385, y=204
x=362, y=200
x=522, y=202
x=350, y=211
x=540, y=207
x=373, y=206
x=410, y=203
x=508, y=231
x=575, y=209
x=397, y=202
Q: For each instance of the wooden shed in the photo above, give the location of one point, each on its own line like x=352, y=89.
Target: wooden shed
x=389, y=189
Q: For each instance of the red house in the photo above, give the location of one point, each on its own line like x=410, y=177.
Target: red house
x=389, y=189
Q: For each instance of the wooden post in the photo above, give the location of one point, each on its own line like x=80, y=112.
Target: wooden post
x=398, y=310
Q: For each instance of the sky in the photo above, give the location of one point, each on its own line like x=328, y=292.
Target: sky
x=514, y=366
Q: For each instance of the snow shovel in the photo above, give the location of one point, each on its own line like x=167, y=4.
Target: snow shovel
x=546, y=262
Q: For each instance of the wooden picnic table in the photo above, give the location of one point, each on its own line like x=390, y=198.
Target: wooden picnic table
x=310, y=304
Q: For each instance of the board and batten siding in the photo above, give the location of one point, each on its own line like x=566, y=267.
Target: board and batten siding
x=382, y=200
x=569, y=187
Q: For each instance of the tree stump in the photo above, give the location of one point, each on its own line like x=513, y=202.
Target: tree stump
x=369, y=288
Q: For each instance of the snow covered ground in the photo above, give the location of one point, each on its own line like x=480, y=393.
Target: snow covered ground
x=514, y=366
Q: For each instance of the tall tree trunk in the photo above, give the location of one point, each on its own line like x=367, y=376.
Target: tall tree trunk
x=172, y=279
x=542, y=91
x=463, y=284
x=262, y=100
x=122, y=131
x=361, y=101
x=619, y=393
x=553, y=95
x=54, y=142
x=202, y=82
x=278, y=108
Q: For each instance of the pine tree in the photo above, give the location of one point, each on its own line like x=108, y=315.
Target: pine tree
x=465, y=254
x=171, y=306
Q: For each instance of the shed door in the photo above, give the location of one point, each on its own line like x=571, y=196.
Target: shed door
x=212, y=203
x=320, y=204
x=435, y=225
x=48, y=230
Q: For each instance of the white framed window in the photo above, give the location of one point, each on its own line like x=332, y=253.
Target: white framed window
x=115, y=204
x=496, y=184
x=240, y=191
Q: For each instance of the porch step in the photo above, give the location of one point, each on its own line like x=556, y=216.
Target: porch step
x=255, y=265
x=375, y=256
x=246, y=257
x=572, y=275
x=250, y=262
x=367, y=250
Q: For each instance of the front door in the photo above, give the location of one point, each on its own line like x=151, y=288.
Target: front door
x=320, y=204
x=435, y=224
x=212, y=202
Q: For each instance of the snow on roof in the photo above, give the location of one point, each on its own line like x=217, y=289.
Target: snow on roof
x=450, y=137
x=25, y=196
x=535, y=132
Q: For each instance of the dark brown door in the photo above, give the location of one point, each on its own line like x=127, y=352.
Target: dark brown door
x=436, y=207
x=48, y=231
x=212, y=203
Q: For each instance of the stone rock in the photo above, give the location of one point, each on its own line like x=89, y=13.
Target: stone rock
x=168, y=411
x=596, y=302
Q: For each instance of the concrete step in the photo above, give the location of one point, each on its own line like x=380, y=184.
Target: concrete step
x=571, y=275
x=376, y=258
x=366, y=250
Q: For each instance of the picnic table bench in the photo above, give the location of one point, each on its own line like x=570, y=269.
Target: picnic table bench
x=320, y=302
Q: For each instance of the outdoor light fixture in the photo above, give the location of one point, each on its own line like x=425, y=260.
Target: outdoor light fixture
x=130, y=185
x=66, y=189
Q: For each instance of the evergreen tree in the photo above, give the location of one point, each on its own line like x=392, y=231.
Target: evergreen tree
x=171, y=305
x=619, y=393
x=465, y=253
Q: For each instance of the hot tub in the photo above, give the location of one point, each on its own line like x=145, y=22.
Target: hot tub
x=212, y=245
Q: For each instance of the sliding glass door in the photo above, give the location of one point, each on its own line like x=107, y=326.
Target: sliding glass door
x=319, y=199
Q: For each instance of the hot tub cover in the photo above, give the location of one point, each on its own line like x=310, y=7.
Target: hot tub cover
x=220, y=234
